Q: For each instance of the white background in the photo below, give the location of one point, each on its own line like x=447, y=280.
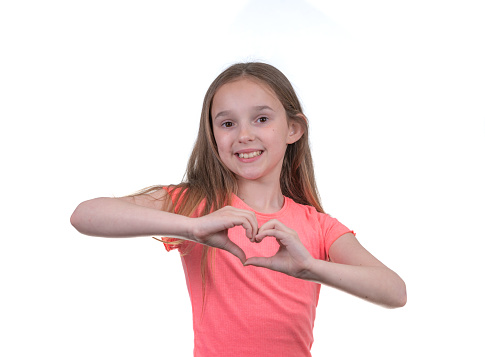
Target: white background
x=102, y=98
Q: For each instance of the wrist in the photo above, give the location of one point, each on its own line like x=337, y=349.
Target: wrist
x=308, y=272
x=190, y=226
x=175, y=226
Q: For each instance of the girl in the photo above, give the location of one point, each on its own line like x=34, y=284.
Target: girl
x=254, y=240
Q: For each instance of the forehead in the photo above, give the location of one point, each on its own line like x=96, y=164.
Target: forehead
x=244, y=90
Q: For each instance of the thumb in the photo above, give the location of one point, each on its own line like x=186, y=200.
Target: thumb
x=234, y=249
x=263, y=262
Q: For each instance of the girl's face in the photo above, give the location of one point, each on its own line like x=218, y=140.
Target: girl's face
x=251, y=129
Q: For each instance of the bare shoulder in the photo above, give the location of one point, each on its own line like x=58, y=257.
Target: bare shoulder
x=347, y=250
x=156, y=198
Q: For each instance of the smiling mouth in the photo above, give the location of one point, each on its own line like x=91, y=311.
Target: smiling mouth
x=249, y=155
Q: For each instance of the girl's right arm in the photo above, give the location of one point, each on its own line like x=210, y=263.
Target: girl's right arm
x=144, y=215
x=132, y=216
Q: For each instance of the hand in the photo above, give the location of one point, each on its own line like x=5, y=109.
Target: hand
x=212, y=229
x=292, y=258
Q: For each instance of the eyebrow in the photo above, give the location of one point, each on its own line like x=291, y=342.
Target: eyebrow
x=255, y=108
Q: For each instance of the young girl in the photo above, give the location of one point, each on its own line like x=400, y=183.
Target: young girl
x=254, y=240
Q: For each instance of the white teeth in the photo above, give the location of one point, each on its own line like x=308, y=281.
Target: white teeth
x=250, y=154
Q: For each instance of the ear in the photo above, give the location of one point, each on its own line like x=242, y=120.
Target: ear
x=295, y=130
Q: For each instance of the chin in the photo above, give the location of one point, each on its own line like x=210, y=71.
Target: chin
x=248, y=176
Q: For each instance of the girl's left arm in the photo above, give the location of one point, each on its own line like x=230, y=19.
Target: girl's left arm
x=352, y=268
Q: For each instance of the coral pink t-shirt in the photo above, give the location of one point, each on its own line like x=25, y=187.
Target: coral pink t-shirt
x=252, y=311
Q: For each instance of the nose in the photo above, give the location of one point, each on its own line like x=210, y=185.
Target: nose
x=246, y=133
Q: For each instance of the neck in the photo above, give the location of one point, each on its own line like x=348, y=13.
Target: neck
x=264, y=197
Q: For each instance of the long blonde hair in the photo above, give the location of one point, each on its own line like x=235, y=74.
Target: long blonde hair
x=207, y=178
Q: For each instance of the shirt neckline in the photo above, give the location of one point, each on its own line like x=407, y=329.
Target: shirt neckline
x=244, y=205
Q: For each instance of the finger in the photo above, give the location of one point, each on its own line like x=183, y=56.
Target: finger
x=252, y=227
x=248, y=220
x=278, y=234
x=239, y=219
x=234, y=249
x=263, y=262
x=249, y=226
x=273, y=224
x=254, y=224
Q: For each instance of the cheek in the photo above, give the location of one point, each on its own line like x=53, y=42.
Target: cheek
x=277, y=137
x=221, y=142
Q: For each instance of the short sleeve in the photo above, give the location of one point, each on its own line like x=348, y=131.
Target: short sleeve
x=171, y=192
x=176, y=243
x=332, y=229
x=167, y=243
